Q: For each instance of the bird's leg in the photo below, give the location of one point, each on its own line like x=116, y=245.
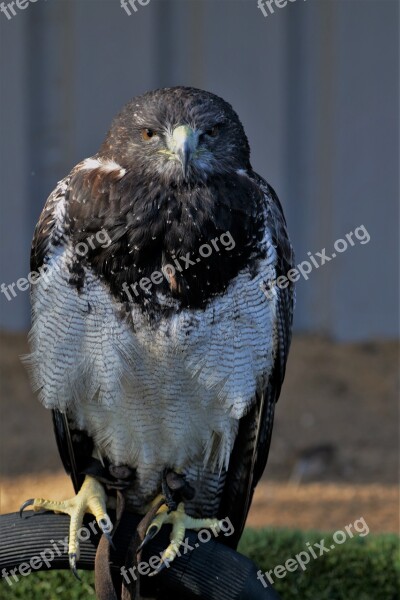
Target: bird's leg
x=91, y=498
x=173, y=513
x=180, y=521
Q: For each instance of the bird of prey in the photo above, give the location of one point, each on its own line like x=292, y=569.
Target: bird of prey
x=154, y=340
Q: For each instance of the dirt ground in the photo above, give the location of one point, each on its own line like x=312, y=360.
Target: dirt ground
x=335, y=448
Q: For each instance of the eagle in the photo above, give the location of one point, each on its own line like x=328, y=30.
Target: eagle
x=159, y=332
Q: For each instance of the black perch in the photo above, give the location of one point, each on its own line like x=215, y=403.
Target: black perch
x=211, y=571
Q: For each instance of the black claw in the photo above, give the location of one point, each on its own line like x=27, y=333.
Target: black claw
x=163, y=565
x=29, y=502
x=104, y=528
x=153, y=530
x=109, y=540
x=72, y=564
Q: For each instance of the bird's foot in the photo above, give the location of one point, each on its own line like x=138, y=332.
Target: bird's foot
x=180, y=521
x=91, y=498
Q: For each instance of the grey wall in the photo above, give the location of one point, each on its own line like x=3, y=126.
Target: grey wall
x=315, y=84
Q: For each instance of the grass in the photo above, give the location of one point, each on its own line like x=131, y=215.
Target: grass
x=362, y=568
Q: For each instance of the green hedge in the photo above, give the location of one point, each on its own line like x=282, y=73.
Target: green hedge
x=362, y=568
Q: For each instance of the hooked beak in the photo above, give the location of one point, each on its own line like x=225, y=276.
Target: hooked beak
x=184, y=143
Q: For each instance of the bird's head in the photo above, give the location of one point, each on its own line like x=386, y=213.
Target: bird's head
x=178, y=135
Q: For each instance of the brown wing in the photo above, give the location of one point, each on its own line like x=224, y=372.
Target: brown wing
x=250, y=453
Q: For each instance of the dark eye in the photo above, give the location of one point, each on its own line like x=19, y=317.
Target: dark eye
x=214, y=131
x=147, y=134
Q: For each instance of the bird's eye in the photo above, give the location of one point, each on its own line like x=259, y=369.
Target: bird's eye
x=147, y=134
x=213, y=132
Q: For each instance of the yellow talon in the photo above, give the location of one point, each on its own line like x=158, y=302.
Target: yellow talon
x=180, y=521
x=91, y=498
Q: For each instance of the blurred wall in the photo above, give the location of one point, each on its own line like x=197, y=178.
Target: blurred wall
x=315, y=84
